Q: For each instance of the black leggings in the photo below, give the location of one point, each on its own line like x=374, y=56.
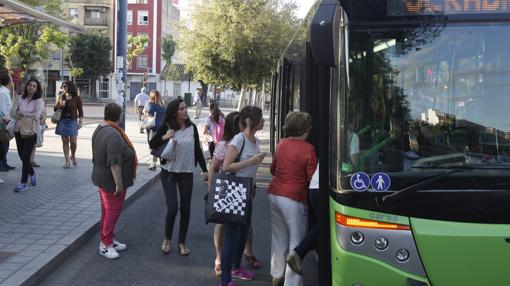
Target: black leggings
x=170, y=181
x=212, y=146
x=25, y=147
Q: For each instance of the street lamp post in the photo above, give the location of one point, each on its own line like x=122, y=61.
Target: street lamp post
x=121, y=57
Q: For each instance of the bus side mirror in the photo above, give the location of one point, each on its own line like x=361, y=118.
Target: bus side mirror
x=324, y=33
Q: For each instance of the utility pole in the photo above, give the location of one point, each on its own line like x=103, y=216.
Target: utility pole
x=121, y=70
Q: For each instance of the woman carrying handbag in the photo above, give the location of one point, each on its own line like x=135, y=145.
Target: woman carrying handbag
x=154, y=109
x=71, y=119
x=243, y=158
x=179, y=171
x=27, y=111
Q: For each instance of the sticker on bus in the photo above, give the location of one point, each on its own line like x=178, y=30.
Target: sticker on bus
x=360, y=182
x=380, y=182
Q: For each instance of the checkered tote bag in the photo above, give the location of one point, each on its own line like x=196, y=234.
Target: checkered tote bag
x=228, y=199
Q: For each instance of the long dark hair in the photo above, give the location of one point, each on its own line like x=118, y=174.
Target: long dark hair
x=231, y=126
x=71, y=89
x=254, y=113
x=215, y=111
x=171, y=115
x=38, y=92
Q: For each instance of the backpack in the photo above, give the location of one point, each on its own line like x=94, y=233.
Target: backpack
x=218, y=130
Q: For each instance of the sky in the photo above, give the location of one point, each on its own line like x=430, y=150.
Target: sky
x=304, y=6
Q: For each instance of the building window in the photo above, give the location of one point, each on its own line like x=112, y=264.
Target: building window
x=143, y=17
x=55, y=56
x=95, y=16
x=129, y=17
x=138, y=1
x=142, y=62
x=73, y=12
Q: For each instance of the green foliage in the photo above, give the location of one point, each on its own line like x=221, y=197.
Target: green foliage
x=2, y=63
x=25, y=45
x=76, y=72
x=136, y=46
x=52, y=7
x=92, y=54
x=168, y=47
x=243, y=43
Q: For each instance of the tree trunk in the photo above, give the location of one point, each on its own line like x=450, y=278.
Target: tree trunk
x=263, y=94
x=93, y=93
x=241, y=99
x=255, y=94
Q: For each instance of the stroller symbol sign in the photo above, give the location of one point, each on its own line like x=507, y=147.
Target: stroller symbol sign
x=360, y=182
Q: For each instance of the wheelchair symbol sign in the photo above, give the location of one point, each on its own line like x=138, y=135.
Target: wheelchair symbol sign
x=360, y=182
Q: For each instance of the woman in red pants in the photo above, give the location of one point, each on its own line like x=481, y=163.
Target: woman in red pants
x=114, y=170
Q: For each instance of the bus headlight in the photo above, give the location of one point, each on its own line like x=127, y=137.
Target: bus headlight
x=381, y=243
x=388, y=242
x=402, y=255
x=357, y=238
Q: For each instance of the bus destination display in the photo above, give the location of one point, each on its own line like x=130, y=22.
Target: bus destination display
x=446, y=7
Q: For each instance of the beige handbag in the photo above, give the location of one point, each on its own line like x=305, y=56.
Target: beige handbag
x=27, y=127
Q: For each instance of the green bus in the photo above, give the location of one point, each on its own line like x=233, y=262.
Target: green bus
x=412, y=129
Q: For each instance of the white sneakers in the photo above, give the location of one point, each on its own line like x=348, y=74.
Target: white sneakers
x=119, y=246
x=111, y=252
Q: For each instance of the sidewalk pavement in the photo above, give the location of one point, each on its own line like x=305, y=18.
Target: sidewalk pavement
x=43, y=226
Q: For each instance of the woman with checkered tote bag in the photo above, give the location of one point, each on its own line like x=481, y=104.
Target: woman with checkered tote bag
x=246, y=147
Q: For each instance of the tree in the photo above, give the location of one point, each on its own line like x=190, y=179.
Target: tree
x=242, y=46
x=136, y=46
x=168, y=47
x=92, y=54
x=2, y=63
x=23, y=45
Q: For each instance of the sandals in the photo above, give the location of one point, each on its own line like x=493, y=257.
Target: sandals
x=67, y=165
x=75, y=162
x=183, y=250
x=217, y=269
x=165, y=247
x=252, y=260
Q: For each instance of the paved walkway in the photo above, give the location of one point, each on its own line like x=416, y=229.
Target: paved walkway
x=42, y=223
x=42, y=226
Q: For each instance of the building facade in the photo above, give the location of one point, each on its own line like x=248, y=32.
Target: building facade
x=96, y=16
x=154, y=19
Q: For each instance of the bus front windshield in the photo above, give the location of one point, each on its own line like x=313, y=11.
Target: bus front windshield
x=427, y=99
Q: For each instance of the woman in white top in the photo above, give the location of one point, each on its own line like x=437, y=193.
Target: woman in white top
x=27, y=108
x=179, y=171
x=243, y=158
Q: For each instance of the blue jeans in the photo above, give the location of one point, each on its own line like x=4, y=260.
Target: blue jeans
x=233, y=247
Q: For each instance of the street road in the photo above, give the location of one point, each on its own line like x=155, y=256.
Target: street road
x=141, y=227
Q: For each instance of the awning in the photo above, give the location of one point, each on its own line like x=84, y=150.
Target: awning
x=14, y=12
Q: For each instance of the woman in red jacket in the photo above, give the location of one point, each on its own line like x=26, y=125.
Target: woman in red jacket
x=293, y=165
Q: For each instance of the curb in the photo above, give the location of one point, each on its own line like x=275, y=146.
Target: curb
x=42, y=273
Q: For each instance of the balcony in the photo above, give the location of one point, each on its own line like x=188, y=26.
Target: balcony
x=96, y=21
x=96, y=16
